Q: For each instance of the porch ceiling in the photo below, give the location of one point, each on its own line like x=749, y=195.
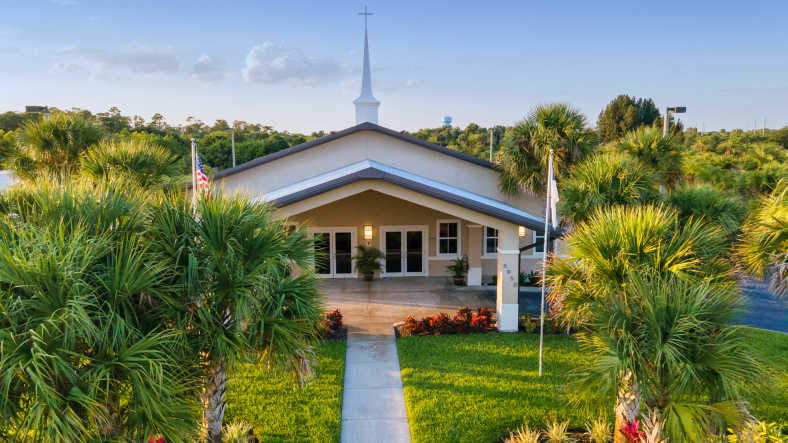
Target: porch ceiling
x=372, y=170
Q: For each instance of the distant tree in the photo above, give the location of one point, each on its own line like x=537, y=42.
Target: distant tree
x=605, y=180
x=158, y=122
x=780, y=136
x=7, y=146
x=524, y=152
x=138, y=122
x=625, y=114
x=112, y=121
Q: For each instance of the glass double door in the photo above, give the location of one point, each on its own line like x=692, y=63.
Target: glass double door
x=334, y=251
x=404, y=249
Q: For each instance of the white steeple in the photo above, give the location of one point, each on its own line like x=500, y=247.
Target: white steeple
x=366, y=103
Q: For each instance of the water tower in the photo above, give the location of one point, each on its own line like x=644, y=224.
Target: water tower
x=447, y=121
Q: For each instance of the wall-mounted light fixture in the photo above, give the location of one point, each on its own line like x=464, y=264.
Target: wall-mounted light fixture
x=521, y=231
x=367, y=232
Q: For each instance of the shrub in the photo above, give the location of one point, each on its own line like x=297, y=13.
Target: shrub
x=528, y=324
x=599, y=430
x=464, y=321
x=332, y=325
x=524, y=434
x=442, y=324
x=556, y=431
x=238, y=432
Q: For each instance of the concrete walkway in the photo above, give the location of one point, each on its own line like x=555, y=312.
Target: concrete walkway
x=373, y=406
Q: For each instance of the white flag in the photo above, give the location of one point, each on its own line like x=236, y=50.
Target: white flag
x=553, y=190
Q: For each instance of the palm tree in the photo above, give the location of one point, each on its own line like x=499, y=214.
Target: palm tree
x=713, y=205
x=146, y=165
x=661, y=154
x=86, y=355
x=53, y=146
x=240, y=299
x=603, y=253
x=764, y=242
x=604, y=180
x=523, y=157
x=674, y=336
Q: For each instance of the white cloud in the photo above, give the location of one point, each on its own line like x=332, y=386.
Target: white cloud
x=276, y=63
x=207, y=69
x=139, y=61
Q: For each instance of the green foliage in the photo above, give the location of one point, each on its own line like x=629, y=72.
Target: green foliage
x=148, y=166
x=473, y=139
x=599, y=430
x=476, y=388
x=458, y=267
x=764, y=242
x=525, y=149
x=279, y=410
x=605, y=180
x=625, y=114
x=660, y=154
x=711, y=204
x=85, y=354
x=53, y=146
x=368, y=259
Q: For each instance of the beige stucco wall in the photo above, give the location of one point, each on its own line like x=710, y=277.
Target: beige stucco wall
x=371, y=145
x=378, y=209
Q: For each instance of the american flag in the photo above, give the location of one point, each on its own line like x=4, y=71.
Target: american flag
x=202, y=177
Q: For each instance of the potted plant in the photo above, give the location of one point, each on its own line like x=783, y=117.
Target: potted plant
x=367, y=261
x=458, y=269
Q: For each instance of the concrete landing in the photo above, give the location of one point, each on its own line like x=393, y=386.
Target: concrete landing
x=373, y=406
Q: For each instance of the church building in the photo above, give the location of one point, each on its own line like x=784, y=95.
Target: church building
x=421, y=204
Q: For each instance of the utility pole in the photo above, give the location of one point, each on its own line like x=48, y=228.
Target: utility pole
x=491, y=138
x=233, y=143
x=764, y=126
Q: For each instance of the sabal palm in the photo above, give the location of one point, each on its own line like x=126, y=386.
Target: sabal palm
x=524, y=153
x=763, y=247
x=146, y=165
x=661, y=154
x=604, y=180
x=713, y=205
x=85, y=355
x=53, y=146
x=240, y=299
x=603, y=253
x=675, y=336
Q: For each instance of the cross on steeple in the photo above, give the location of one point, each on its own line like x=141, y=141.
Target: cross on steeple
x=365, y=14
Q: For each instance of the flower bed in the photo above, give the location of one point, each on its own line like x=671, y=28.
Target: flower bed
x=465, y=321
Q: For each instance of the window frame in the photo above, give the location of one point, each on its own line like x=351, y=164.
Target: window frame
x=438, y=238
x=537, y=238
x=485, y=252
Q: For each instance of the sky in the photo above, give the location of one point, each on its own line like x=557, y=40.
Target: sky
x=296, y=65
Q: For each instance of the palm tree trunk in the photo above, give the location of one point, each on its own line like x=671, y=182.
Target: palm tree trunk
x=214, y=386
x=627, y=405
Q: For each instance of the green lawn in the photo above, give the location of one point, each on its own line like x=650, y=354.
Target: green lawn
x=280, y=410
x=476, y=388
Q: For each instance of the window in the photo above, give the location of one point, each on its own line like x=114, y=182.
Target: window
x=539, y=240
x=490, y=240
x=448, y=238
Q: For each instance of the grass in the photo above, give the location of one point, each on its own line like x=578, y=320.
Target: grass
x=479, y=387
x=280, y=410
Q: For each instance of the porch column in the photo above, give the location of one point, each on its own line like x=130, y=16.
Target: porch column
x=474, y=255
x=507, y=299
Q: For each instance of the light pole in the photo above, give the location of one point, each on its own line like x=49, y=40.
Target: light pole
x=491, y=138
x=232, y=141
x=668, y=110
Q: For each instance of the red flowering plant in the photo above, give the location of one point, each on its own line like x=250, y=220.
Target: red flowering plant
x=332, y=325
x=442, y=324
x=632, y=432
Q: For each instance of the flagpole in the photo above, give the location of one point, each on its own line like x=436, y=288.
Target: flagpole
x=544, y=258
x=194, y=175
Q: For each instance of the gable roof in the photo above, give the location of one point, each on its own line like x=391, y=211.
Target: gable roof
x=372, y=170
x=366, y=126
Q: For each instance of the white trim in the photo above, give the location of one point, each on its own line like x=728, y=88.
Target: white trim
x=403, y=229
x=535, y=254
x=332, y=264
x=508, y=251
x=486, y=254
x=438, y=238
